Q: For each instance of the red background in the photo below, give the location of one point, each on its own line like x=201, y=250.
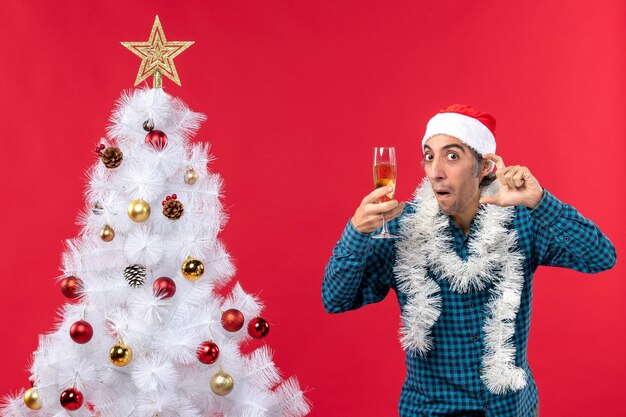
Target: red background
x=297, y=94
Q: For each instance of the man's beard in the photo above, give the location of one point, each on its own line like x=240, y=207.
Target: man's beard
x=451, y=211
x=460, y=202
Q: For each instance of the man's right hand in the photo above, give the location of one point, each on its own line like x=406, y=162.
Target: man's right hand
x=369, y=216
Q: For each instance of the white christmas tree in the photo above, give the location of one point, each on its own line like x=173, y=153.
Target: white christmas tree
x=147, y=333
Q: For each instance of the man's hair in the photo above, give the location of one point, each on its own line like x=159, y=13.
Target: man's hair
x=487, y=179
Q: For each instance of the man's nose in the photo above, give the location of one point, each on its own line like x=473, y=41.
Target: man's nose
x=437, y=169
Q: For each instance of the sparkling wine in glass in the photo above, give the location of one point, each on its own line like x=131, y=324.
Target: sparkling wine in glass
x=385, y=176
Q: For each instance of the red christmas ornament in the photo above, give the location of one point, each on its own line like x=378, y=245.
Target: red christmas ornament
x=258, y=328
x=207, y=352
x=71, y=399
x=164, y=287
x=157, y=139
x=81, y=332
x=71, y=286
x=232, y=320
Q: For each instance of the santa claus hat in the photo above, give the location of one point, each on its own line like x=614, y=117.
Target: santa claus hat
x=470, y=126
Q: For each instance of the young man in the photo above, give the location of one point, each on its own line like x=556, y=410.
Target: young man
x=462, y=268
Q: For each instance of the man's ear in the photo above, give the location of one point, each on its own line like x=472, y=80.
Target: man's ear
x=485, y=168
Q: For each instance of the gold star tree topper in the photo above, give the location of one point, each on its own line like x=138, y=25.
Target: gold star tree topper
x=157, y=55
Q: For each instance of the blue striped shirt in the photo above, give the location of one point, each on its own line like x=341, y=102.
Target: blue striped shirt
x=447, y=380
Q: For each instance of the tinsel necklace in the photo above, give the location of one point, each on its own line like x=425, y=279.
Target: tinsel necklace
x=493, y=257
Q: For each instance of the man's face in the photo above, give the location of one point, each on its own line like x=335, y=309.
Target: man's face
x=449, y=165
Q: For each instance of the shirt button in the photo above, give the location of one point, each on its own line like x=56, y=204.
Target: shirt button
x=476, y=338
x=472, y=305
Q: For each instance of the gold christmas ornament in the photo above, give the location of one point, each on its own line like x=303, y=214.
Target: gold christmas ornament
x=138, y=211
x=222, y=383
x=192, y=269
x=120, y=354
x=32, y=399
x=107, y=233
x=191, y=176
x=157, y=55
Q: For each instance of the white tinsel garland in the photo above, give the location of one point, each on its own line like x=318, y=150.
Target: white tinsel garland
x=424, y=246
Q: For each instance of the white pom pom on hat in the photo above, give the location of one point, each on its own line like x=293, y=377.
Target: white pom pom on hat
x=472, y=127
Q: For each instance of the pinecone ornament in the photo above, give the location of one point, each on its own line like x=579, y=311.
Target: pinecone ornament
x=135, y=275
x=172, y=208
x=112, y=157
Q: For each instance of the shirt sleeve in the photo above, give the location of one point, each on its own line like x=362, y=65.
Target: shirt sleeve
x=567, y=239
x=359, y=272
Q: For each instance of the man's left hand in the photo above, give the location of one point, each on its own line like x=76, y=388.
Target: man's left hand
x=518, y=187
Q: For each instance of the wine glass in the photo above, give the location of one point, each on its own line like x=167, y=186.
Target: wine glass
x=385, y=176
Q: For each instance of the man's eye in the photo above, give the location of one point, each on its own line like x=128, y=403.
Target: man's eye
x=428, y=157
x=453, y=156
